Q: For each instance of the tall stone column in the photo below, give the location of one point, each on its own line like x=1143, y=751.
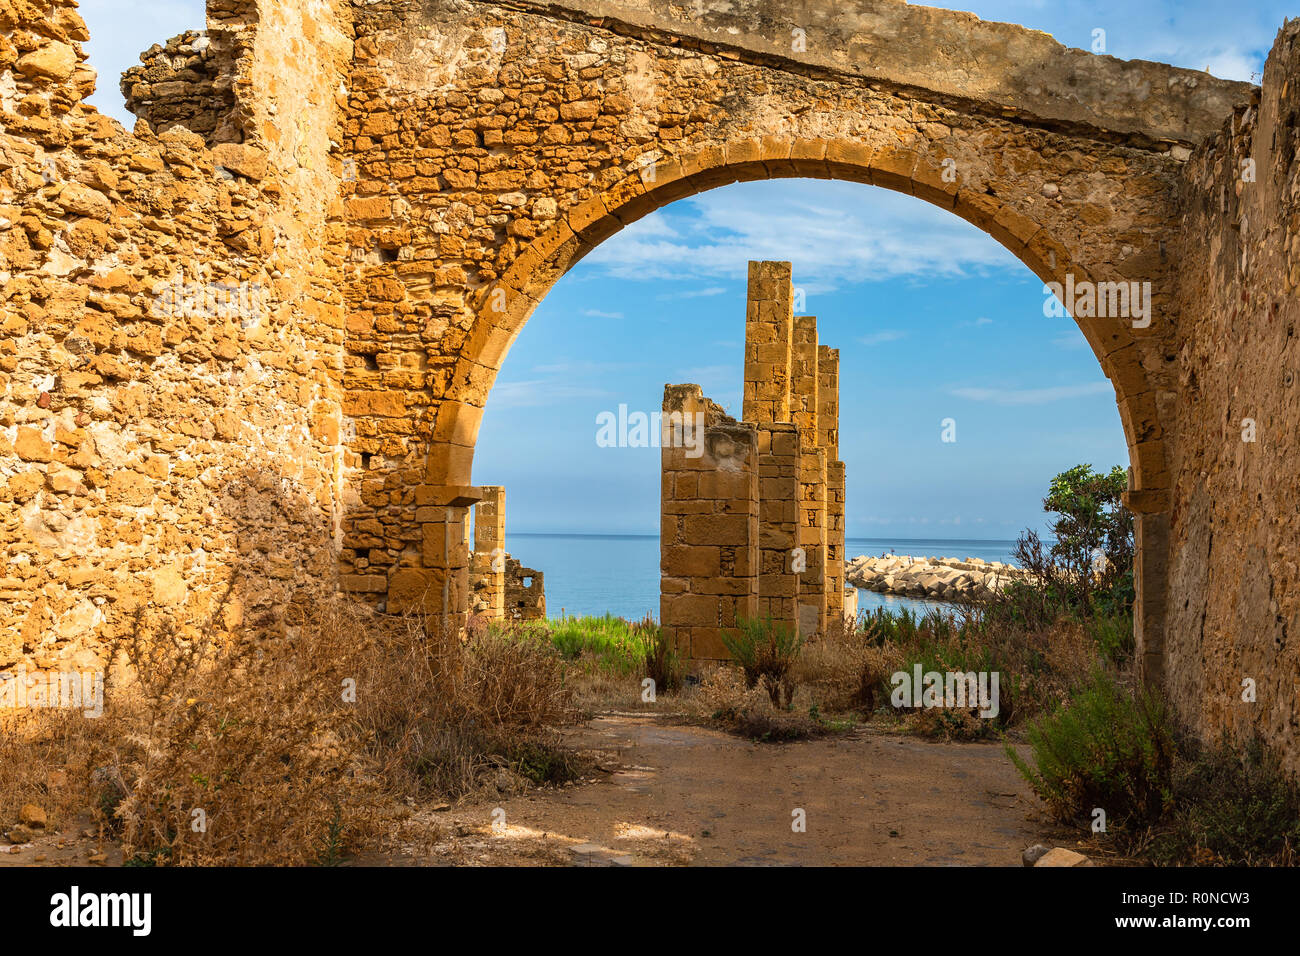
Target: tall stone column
x=804, y=387
x=769, y=329
x=828, y=438
x=835, y=501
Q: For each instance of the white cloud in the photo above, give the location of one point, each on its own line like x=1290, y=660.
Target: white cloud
x=834, y=233
x=692, y=293
x=537, y=393
x=1033, y=396
x=597, y=314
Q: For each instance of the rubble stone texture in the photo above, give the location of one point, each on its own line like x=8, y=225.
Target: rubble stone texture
x=245, y=351
x=525, y=592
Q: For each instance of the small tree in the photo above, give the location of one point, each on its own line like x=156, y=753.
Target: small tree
x=1089, y=566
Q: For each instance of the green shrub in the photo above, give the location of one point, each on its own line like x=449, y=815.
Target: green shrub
x=663, y=664
x=766, y=651
x=1106, y=748
x=1113, y=635
x=1231, y=807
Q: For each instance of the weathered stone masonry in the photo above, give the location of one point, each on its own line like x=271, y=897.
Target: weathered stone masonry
x=718, y=565
x=401, y=181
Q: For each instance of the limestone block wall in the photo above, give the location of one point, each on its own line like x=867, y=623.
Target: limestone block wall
x=828, y=423
x=804, y=384
x=1230, y=541
x=709, y=526
x=835, y=547
x=778, y=521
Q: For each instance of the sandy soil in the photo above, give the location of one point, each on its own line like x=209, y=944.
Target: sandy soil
x=672, y=793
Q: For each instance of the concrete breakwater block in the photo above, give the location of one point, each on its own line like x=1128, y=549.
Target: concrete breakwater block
x=944, y=579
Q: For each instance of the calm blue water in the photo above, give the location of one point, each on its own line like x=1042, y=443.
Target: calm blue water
x=619, y=574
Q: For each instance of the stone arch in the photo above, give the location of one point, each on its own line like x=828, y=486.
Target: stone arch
x=506, y=306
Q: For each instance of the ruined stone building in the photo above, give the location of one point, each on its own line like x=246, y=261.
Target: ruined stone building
x=501, y=587
x=752, y=521
x=245, y=348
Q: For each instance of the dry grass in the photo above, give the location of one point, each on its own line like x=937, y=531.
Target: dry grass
x=725, y=699
x=291, y=748
x=848, y=670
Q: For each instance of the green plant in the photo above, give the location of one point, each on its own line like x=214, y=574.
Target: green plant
x=1107, y=748
x=607, y=643
x=1113, y=635
x=1231, y=807
x=766, y=651
x=663, y=664
x=329, y=847
x=1089, y=564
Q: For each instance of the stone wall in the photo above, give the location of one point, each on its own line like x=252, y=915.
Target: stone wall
x=170, y=377
x=709, y=525
x=779, y=455
x=1233, y=531
x=187, y=82
x=488, y=563
x=248, y=347
x=828, y=437
x=525, y=592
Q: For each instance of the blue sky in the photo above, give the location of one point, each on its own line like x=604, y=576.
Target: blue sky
x=933, y=319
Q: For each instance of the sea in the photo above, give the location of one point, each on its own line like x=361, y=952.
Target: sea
x=595, y=574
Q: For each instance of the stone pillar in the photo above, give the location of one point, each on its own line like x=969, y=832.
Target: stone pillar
x=769, y=315
x=834, y=541
x=812, y=539
x=804, y=387
x=488, y=566
x=437, y=586
x=708, y=524
x=778, y=521
x=1151, y=584
x=828, y=401
x=828, y=438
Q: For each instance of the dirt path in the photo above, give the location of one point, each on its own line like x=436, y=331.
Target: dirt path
x=672, y=794
x=676, y=794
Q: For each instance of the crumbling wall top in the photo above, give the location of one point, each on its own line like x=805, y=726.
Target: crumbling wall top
x=954, y=54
